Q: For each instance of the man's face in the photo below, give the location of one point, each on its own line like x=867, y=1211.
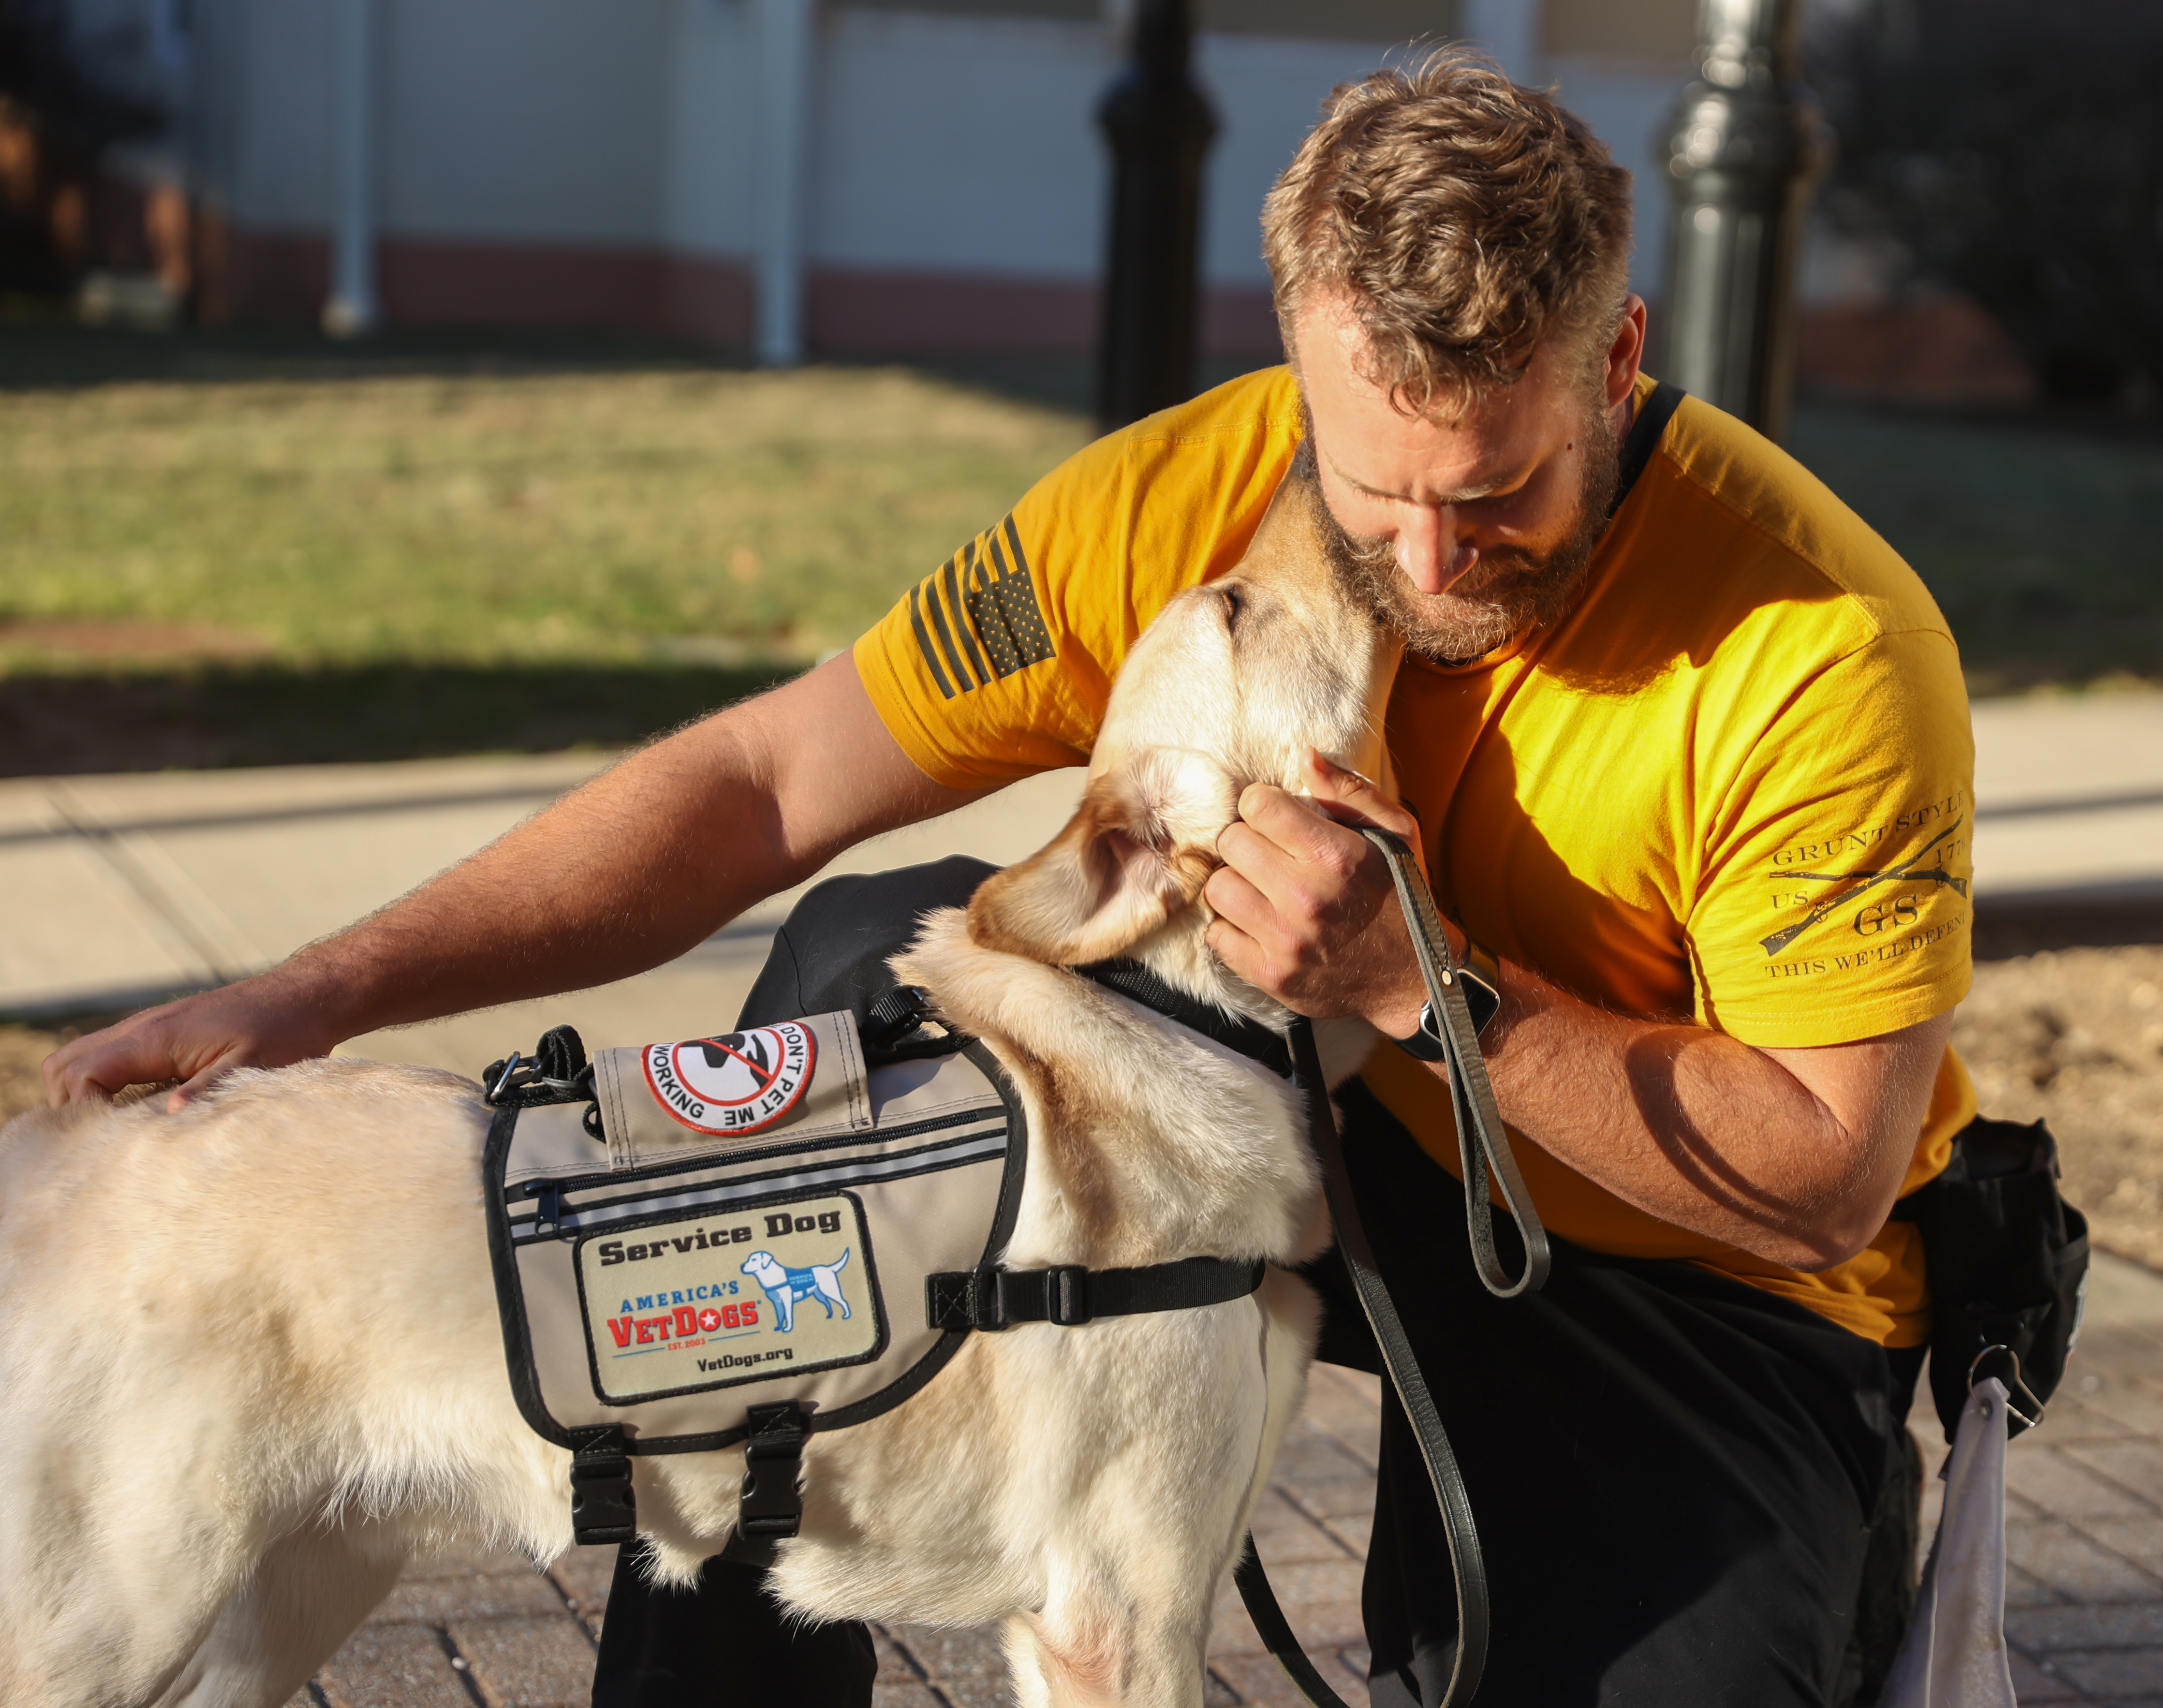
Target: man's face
x=1463, y=533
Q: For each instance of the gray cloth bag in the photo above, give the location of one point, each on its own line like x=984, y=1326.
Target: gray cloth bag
x=1954, y=1654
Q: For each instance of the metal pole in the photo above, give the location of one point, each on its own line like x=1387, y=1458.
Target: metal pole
x=1159, y=125
x=1746, y=146
x=785, y=50
x=352, y=310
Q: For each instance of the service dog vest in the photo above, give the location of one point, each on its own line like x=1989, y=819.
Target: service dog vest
x=787, y=1228
x=713, y=1224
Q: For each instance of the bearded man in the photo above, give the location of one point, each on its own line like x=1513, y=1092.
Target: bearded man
x=1685, y=749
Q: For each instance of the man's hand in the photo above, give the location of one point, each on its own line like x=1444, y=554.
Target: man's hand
x=264, y=1022
x=1304, y=907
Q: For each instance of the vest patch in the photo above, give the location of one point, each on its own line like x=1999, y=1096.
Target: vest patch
x=702, y=1302
x=739, y=1083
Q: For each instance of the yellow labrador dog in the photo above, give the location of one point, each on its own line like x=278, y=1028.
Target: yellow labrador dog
x=250, y=1355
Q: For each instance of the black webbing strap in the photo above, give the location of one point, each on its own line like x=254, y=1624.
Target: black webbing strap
x=1069, y=1294
x=1481, y=1142
x=770, y=1506
x=1466, y=1566
x=1248, y=1038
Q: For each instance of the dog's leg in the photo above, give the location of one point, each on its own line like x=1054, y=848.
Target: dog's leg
x=307, y=1597
x=1103, y=1649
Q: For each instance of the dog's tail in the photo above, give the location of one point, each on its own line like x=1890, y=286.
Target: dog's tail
x=842, y=1261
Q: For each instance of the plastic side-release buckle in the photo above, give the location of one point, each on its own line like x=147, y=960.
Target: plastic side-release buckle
x=771, y=1506
x=990, y=1298
x=604, y=1505
x=1066, y=1295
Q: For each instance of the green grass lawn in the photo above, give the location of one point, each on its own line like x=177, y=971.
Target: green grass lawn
x=2045, y=548
x=612, y=518
x=236, y=551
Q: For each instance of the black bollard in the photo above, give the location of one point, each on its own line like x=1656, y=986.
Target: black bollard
x=1746, y=146
x=1159, y=126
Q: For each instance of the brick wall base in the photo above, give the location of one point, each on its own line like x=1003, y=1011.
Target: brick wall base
x=265, y=276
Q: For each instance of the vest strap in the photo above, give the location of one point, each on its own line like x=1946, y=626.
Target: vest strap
x=1070, y=1294
x=604, y=1507
x=771, y=1507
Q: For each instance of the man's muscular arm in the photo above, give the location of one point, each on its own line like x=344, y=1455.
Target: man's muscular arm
x=635, y=868
x=1794, y=1156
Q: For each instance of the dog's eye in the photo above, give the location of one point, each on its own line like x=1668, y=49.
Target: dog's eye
x=1235, y=602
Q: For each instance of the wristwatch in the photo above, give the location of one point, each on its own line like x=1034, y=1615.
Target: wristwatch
x=1481, y=977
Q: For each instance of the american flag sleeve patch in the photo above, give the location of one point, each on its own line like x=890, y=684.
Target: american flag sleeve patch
x=976, y=617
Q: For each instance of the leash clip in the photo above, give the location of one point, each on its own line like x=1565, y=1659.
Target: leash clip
x=2016, y=1385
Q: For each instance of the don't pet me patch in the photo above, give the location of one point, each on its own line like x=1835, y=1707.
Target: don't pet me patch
x=702, y=1302
x=741, y=1082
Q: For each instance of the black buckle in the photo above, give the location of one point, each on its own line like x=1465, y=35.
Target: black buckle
x=603, y=1504
x=1066, y=1295
x=992, y=1299
x=770, y=1507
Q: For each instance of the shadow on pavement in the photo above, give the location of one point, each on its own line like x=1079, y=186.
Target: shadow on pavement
x=268, y=714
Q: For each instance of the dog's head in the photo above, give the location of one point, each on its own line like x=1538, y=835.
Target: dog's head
x=1232, y=684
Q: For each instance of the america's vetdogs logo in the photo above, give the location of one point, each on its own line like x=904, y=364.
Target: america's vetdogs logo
x=738, y=1083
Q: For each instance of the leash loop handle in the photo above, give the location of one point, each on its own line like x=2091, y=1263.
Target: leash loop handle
x=1482, y=1141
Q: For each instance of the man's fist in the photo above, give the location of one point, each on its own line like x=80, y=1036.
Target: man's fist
x=1304, y=907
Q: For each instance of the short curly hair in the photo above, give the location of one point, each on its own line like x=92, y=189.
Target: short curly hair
x=1464, y=218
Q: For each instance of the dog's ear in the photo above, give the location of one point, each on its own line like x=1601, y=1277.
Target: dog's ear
x=1139, y=848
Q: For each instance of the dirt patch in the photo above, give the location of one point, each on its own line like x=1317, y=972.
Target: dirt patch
x=128, y=638
x=2075, y=1037
x=2071, y=1036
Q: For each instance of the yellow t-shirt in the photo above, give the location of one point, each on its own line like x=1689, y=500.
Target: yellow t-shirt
x=1734, y=784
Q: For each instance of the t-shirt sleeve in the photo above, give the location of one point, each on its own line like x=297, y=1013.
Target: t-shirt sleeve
x=999, y=663
x=1835, y=900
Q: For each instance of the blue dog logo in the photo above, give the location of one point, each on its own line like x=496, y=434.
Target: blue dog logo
x=785, y=1285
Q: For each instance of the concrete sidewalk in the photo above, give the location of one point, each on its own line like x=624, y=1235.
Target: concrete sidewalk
x=128, y=889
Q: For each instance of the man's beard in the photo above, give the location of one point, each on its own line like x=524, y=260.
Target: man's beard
x=1513, y=590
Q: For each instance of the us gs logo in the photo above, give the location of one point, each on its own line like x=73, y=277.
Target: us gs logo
x=742, y=1082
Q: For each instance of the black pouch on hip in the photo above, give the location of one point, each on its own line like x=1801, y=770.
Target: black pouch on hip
x=2008, y=1268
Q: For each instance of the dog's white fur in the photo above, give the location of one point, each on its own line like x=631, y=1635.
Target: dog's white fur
x=250, y=1358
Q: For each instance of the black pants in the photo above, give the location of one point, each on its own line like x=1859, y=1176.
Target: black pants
x=1674, y=1476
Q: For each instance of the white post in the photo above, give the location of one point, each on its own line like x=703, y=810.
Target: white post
x=351, y=311
x=1508, y=32
x=784, y=66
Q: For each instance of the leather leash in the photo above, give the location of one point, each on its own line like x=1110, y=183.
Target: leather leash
x=1482, y=1144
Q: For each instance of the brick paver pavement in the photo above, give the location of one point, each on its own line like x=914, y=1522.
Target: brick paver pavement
x=2084, y=1597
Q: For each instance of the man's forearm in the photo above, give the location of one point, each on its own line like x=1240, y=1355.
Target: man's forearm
x=1709, y=1133
x=633, y=869
x=637, y=865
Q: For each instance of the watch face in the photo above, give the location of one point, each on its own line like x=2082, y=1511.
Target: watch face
x=1481, y=997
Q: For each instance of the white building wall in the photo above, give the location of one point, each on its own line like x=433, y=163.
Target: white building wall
x=709, y=202
x=524, y=120
x=265, y=99
x=942, y=142
x=1268, y=93
x=958, y=145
